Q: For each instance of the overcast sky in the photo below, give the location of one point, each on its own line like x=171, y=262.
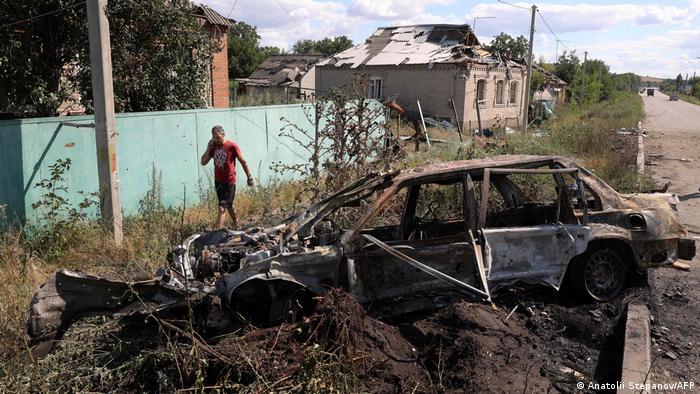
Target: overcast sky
x=655, y=38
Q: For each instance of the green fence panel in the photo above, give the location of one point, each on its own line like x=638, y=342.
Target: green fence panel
x=163, y=147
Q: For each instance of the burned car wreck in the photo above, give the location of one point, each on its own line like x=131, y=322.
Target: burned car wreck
x=400, y=242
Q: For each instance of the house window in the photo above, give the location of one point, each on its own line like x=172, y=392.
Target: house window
x=500, y=85
x=481, y=90
x=513, y=97
x=375, y=90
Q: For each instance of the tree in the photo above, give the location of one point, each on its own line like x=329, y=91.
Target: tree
x=33, y=54
x=160, y=56
x=505, y=44
x=567, y=67
x=245, y=53
x=304, y=46
x=679, y=82
x=325, y=47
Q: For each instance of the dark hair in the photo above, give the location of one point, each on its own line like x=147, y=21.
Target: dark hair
x=218, y=129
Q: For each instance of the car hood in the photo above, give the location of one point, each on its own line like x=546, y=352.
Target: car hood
x=350, y=195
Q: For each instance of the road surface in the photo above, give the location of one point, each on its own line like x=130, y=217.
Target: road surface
x=674, y=132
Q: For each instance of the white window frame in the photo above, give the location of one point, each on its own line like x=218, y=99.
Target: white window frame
x=375, y=88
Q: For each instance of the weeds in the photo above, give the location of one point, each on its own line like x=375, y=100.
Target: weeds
x=59, y=220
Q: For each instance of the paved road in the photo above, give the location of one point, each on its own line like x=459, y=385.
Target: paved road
x=674, y=132
x=671, y=116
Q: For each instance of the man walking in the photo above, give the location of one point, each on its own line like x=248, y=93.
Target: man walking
x=225, y=153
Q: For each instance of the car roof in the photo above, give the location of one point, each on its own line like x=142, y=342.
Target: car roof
x=460, y=166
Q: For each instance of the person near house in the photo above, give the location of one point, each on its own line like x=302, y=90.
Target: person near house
x=225, y=153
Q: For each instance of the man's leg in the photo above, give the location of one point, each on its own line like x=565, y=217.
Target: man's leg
x=221, y=216
x=232, y=213
x=222, y=193
x=231, y=209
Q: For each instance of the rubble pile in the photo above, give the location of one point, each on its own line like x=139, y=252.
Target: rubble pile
x=338, y=347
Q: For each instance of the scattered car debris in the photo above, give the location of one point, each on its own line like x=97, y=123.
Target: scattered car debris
x=681, y=266
x=400, y=242
x=671, y=355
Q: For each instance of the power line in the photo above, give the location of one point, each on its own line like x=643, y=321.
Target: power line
x=231, y=10
x=43, y=15
x=282, y=7
x=514, y=5
x=551, y=31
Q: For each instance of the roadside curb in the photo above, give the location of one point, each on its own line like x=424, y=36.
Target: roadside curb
x=640, y=149
x=636, y=362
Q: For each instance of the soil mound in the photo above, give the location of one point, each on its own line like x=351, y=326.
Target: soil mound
x=471, y=347
x=339, y=347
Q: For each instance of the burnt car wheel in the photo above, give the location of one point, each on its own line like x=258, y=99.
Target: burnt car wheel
x=291, y=308
x=600, y=274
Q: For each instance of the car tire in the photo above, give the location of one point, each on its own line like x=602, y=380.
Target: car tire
x=600, y=274
x=291, y=308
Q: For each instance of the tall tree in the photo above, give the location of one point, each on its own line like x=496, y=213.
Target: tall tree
x=33, y=54
x=506, y=44
x=679, y=82
x=245, y=53
x=160, y=56
x=325, y=47
x=567, y=67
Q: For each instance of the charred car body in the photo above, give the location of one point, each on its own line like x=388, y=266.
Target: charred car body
x=400, y=242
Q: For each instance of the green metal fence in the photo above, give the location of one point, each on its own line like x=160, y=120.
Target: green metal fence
x=170, y=142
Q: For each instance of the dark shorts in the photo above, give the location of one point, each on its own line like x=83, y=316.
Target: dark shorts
x=225, y=192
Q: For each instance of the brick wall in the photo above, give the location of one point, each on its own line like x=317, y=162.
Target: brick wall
x=434, y=87
x=504, y=114
x=219, y=64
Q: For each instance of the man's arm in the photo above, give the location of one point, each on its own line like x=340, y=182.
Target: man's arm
x=239, y=156
x=207, y=154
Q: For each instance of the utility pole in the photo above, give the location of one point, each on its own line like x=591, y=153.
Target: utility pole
x=526, y=102
x=105, y=125
x=583, y=76
x=474, y=25
x=556, y=51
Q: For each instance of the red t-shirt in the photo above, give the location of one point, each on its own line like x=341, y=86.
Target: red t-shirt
x=224, y=157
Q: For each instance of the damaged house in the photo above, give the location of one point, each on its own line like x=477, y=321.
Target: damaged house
x=289, y=75
x=554, y=89
x=433, y=64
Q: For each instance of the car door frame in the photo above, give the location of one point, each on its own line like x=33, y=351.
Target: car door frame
x=515, y=239
x=364, y=291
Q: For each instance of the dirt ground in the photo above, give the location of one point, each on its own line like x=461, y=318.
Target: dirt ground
x=673, y=155
x=547, y=345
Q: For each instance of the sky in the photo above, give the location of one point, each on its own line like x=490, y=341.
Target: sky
x=649, y=37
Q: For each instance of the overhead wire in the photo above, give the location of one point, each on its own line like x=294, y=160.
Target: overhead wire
x=43, y=15
x=284, y=9
x=513, y=5
x=231, y=10
x=550, y=30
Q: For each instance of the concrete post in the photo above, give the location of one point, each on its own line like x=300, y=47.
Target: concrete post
x=105, y=127
x=528, y=82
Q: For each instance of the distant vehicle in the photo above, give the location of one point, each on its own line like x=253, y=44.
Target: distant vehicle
x=650, y=92
x=673, y=96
